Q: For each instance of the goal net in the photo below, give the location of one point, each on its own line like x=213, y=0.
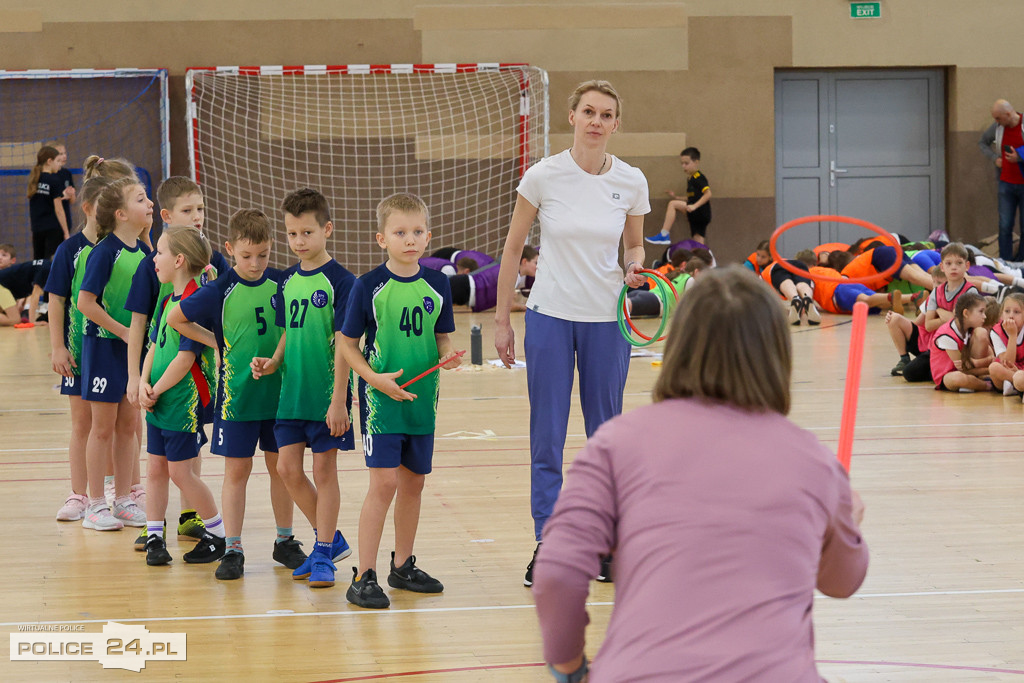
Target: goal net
x=459, y=136
x=112, y=113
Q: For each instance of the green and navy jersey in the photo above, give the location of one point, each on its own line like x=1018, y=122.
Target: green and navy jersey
x=310, y=309
x=240, y=314
x=108, y=274
x=147, y=290
x=66, y=273
x=180, y=408
x=400, y=316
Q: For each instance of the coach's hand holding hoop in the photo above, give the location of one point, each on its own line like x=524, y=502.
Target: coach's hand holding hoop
x=587, y=201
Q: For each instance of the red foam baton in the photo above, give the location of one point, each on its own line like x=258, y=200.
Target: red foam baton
x=849, y=418
x=437, y=367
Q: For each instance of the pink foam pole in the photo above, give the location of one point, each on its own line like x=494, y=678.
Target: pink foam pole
x=437, y=367
x=849, y=418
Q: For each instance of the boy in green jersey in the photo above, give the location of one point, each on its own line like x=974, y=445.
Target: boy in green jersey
x=406, y=312
x=238, y=308
x=315, y=402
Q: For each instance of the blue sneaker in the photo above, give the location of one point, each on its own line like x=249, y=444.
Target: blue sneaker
x=659, y=239
x=322, y=573
x=340, y=547
x=340, y=550
x=305, y=569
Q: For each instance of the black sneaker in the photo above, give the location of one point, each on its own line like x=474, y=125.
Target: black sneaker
x=528, y=580
x=366, y=592
x=231, y=566
x=796, y=309
x=409, y=577
x=140, y=540
x=289, y=553
x=605, y=575
x=209, y=548
x=156, y=551
x=897, y=371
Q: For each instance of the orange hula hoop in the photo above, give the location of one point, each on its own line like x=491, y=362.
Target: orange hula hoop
x=868, y=280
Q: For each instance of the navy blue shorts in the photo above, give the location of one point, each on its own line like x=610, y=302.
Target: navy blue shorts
x=175, y=446
x=846, y=295
x=71, y=386
x=104, y=369
x=239, y=439
x=414, y=451
x=314, y=434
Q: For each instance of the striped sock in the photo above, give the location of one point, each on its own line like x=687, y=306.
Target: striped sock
x=283, y=534
x=215, y=525
x=234, y=544
x=155, y=528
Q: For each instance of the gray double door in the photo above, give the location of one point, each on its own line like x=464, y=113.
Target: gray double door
x=863, y=144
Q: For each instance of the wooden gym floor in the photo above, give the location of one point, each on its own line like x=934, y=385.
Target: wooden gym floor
x=942, y=476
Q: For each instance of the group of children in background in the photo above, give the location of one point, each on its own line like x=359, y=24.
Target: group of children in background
x=262, y=356
x=968, y=334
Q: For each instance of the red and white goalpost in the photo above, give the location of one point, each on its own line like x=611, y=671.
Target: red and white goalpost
x=458, y=135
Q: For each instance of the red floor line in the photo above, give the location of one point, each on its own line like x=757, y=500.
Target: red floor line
x=920, y=665
x=378, y=677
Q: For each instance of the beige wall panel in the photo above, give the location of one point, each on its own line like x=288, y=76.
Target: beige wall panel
x=972, y=205
x=72, y=11
x=180, y=45
x=977, y=89
x=730, y=112
x=568, y=49
x=653, y=101
x=20, y=21
x=909, y=33
x=737, y=225
x=18, y=154
x=550, y=15
x=625, y=145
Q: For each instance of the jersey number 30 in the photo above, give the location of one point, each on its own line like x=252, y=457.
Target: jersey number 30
x=412, y=321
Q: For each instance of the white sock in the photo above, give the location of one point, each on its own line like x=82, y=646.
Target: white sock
x=965, y=390
x=122, y=500
x=1008, y=389
x=1018, y=282
x=215, y=525
x=990, y=286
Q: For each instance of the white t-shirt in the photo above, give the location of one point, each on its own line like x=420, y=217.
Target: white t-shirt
x=582, y=217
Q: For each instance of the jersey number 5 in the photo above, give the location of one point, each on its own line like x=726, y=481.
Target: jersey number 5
x=261, y=321
x=412, y=321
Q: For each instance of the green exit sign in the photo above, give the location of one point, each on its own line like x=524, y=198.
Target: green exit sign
x=865, y=10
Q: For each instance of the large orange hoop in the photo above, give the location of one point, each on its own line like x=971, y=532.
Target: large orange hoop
x=869, y=280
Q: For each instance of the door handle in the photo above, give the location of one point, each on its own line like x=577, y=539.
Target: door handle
x=832, y=171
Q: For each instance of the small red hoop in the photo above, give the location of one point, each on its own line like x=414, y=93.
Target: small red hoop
x=625, y=309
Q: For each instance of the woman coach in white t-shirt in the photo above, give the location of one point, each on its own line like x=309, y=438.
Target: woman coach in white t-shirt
x=587, y=201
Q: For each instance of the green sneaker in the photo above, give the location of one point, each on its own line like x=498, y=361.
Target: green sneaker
x=190, y=526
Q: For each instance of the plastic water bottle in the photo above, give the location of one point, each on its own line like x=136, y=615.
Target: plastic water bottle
x=476, y=345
